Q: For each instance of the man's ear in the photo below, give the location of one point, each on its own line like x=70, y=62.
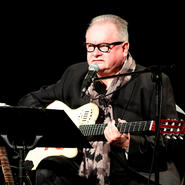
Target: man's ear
x=125, y=48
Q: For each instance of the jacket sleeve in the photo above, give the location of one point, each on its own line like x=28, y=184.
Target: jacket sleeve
x=45, y=95
x=67, y=89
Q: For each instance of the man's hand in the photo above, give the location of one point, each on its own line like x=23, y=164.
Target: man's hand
x=114, y=137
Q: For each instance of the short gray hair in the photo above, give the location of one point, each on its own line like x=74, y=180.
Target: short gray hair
x=121, y=24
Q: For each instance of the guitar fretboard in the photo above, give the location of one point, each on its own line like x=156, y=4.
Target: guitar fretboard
x=127, y=127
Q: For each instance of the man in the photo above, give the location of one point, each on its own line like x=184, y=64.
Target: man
x=119, y=158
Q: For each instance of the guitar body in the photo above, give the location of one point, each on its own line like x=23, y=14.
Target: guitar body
x=86, y=114
x=39, y=153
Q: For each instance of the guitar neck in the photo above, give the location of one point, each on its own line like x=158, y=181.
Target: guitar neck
x=127, y=127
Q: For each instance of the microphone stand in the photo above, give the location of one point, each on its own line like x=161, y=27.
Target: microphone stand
x=157, y=78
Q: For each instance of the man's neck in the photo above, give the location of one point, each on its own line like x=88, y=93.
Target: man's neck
x=107, y=82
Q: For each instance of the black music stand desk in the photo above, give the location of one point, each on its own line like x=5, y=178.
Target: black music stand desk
x=22, y=124
x=24, y=128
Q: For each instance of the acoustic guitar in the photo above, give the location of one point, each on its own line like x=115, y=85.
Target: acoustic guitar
x=85, y=118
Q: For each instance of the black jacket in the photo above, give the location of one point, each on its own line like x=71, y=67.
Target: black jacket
x=135, y=101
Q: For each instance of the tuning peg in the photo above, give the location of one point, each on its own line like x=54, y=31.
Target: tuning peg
x=174, y=137
x=167, y=137
x=180, y=137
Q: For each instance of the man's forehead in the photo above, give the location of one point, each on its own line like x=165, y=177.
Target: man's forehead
x=102, y=32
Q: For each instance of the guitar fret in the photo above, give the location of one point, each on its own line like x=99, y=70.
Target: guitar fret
x=140, y=126
x=101, y=129
x=134, y=127
x=129, y=128
x=145, y=125
x=97, y=130
x=89, y=131
x=137, y=127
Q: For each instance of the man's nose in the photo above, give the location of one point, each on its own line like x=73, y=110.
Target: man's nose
x=97, y=51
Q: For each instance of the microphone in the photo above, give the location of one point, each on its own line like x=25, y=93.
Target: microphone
x=92, y=70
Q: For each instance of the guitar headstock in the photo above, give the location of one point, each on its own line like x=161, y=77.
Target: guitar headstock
x=171, y=129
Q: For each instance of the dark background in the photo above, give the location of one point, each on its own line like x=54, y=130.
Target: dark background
x=39, y=40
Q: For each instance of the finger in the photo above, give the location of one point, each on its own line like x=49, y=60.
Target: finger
x=111, y=132
x=126, y=135
x=125, y=140
x=114, y=130
x=121, y=121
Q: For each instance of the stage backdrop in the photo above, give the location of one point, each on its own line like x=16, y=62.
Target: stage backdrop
x=38, y=42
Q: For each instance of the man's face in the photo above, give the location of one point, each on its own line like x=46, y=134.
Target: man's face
x=109, y=62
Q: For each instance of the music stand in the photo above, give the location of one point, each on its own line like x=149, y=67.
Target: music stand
x=25, y=128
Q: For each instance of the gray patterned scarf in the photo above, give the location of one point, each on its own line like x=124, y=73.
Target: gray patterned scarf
x=96, y=160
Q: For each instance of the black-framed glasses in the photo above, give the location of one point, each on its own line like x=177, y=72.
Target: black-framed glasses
x=103, y=47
